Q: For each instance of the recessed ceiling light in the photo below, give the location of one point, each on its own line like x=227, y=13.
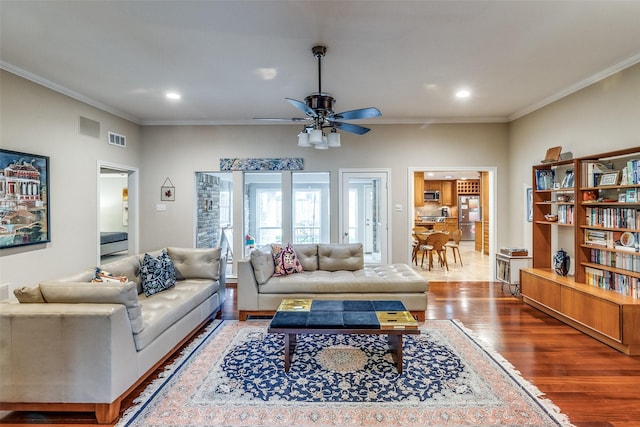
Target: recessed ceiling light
x=463, y=94
x=173, y=95
x=267, y=73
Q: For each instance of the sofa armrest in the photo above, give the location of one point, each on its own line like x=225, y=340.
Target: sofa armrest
x=65, y=353
x=247, y=286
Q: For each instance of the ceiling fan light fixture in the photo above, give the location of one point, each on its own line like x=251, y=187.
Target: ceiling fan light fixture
x=315, y=136
x=334, y=139
x=323, y=145
x=303, y=139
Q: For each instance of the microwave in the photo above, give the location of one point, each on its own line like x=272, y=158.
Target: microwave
x=431, y=196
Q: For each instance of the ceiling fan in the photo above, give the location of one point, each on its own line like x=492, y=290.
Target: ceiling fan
x=318, y=108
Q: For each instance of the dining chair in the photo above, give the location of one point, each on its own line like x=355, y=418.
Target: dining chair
x=416, y=240
x=435, y=243
x=419, y=241
x=455, y=245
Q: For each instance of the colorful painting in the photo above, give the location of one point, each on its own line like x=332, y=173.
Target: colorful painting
x=264, y=164
x=24, y=199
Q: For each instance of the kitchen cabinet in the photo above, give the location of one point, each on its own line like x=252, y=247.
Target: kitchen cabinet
x=433, y=185
x=418, y=188
x=451, y=224
x=447, y=195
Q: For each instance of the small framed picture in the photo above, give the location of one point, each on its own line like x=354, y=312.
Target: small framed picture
x=622, y=197
x=631, y=196
x=609, y=178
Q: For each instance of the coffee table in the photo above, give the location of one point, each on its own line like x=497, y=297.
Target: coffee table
x=333, y=317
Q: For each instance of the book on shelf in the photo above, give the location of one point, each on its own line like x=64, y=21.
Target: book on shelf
x=593, y=171
x=632, y=173
x=601, y=237
x=545, y=179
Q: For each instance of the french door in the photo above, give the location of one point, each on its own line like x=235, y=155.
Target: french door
x=364, y=212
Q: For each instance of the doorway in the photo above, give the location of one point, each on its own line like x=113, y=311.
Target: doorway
x=471, y=208
x=117, y=211
x=364, y=212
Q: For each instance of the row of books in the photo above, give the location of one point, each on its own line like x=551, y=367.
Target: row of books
x=619, y=260
x=613, y=217
x=565, y=214
x=601, y=237
x=631, y=173
x=504, y=271
x=621, y=283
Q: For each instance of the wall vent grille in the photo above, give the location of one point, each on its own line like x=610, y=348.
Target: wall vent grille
x=117, y=139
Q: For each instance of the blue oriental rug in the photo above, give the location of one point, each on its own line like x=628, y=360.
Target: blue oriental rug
x=233, y=375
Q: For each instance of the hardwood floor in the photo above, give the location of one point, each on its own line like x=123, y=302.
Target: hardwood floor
x=593, y=384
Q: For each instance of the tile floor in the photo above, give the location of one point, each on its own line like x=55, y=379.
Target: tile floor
x=476, y=266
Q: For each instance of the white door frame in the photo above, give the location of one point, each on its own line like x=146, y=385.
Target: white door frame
x=133, y=204
x=493, y=209
x=385, y=213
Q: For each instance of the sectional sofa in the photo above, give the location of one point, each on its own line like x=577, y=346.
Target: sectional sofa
x=328, y=271
x=74, y=345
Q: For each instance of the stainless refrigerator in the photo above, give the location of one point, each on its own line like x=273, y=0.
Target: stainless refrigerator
x=468, y=212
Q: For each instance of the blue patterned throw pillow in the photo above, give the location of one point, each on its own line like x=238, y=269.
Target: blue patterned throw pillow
x=158, y=274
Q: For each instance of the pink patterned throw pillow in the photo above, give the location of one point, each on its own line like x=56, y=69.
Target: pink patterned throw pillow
x=285, y=260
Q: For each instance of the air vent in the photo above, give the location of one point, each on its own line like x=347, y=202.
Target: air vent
x=89, y=127
x=117, y=139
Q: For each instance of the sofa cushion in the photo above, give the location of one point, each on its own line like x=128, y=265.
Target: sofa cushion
x=98, y=293
x=262, y=264
x=307, y=255
x=29, y=295
x=340, y=256
x=161, y=311
x=285, y=261
x=158, y=274
x=390, y=278
x=196, y=263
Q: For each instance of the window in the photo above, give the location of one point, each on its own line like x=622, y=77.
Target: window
x=310, y=204
x=263, y=207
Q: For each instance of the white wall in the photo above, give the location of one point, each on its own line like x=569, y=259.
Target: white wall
x=602, y=117
x=36, y=120
x=178, y=151
x=111, y=202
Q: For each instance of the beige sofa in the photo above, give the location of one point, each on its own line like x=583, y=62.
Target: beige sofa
x=330, y=271
x=83, y=346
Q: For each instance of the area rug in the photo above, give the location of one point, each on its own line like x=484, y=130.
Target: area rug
x=233, y=375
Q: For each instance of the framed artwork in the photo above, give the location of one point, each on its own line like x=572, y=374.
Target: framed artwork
x=24, y=199
x=529, y=204
x=609, y=178
x=167, y=191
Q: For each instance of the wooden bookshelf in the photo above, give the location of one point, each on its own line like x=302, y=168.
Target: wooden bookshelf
x=602, y=298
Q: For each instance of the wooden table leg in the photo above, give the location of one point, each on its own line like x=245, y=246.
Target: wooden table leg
x=395, y=345
x=289, y=348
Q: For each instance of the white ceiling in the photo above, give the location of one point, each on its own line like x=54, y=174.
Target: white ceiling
x=405, y=57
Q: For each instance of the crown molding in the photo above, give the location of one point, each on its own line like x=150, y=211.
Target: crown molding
x=66, y=91
x=633, y=60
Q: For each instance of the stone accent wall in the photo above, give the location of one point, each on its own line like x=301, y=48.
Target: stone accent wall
x=208, y=219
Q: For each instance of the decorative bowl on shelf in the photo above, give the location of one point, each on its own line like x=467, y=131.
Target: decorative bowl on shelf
x=551, y=218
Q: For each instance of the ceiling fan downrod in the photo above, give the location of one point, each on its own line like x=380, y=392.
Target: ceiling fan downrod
x=319, y=52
